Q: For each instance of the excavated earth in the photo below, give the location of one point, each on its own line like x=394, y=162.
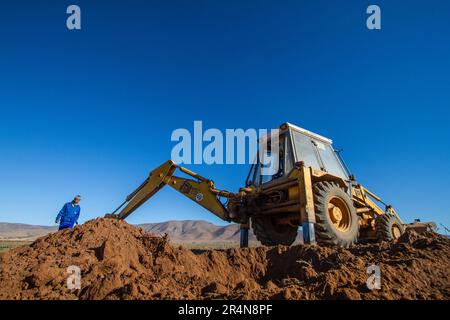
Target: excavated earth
x=120, y=261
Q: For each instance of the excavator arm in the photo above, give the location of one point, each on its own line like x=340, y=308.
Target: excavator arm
x=198, y=189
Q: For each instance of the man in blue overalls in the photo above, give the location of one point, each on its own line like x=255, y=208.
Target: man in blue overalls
x=68, y=216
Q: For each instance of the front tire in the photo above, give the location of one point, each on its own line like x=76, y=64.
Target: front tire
x=269, y=233
x=388, y=227
x=336, y=219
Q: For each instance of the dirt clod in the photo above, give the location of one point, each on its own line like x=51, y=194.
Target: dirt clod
x=120, y=261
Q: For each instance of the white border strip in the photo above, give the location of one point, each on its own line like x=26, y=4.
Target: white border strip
x=309, y=133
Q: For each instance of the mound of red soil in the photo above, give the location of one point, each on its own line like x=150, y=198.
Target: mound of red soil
x=119, y=261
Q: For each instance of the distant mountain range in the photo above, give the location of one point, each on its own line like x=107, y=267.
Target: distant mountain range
x=195, y=231
x=178, y=231
x=25, y=232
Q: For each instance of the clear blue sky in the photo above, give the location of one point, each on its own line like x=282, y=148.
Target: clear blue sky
x=92, y=111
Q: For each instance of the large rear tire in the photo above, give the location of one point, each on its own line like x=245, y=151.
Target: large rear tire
x=388, y=227
x=269, y=233
x=336, y=219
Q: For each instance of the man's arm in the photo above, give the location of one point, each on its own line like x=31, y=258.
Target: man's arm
x=77, y=215
x=61, y=212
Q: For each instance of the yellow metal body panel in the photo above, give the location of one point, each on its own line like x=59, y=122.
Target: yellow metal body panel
x=200, y=192
x=306, y=196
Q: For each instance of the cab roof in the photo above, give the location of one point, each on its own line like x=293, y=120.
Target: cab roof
x=291, y=126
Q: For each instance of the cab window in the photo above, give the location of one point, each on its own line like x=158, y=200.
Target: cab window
x=286, y=163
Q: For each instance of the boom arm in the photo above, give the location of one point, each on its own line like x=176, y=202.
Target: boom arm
x=371, y=204
x=198, y=189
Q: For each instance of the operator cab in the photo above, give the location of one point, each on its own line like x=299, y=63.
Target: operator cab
x=295, y=145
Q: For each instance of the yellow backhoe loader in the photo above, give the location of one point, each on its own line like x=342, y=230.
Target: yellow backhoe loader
x=312, y=189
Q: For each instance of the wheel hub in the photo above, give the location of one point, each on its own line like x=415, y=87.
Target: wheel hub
x=339, y=214
x=336, y=214
x=396, y=232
